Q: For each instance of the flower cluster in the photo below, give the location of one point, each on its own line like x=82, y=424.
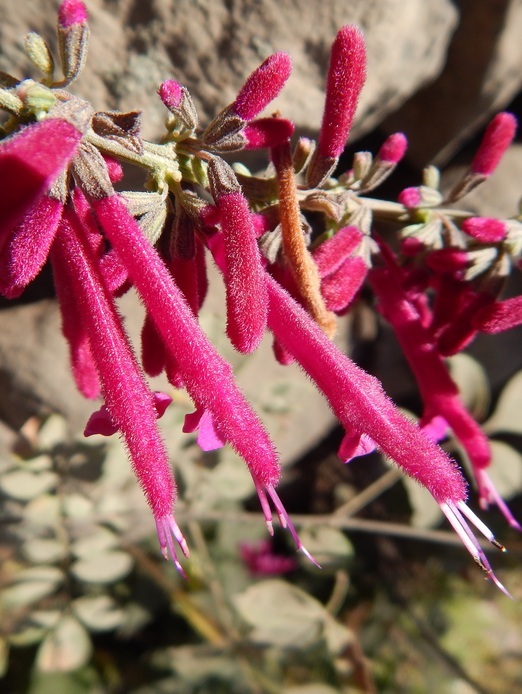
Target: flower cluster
x=437, y=282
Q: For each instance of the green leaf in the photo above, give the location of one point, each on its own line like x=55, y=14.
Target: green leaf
x=30, y=586
x=329, y=546
x=281, y=614
x=78, y=506
x=506, y=469
x=66, y=648
x=98, y=542
x=473, y=384
x=506, y=417
x=24, y=485
x=44, y=511
x=98, y=612
x=230, y=479
x=44, y=550
x=52, y=432
x=106, y=567
x=34, y=627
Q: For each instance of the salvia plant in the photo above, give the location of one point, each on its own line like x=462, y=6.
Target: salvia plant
x=436, y=280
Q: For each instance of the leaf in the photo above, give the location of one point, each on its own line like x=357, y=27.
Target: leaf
x=281, y=614
x=106, y=567
x=98, y=612
x=52, y=432
x=328, y=546
x=39, y=463
x=231, y=480
x=506, y=469
x=30, y=586
x=44, y=511
x=473, y=384
x=34, y=627
x=67, y=647
x=23, y=485
x=77, y=506
x=506, y=417
x=44, y=551
x=98, y=542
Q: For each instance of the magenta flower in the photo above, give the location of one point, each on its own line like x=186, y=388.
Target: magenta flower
x=30, y=162
x=346, y=77
x=497, y=138
x=393, y=148
x=244, y=275
x=131, y=408
x=261, y=560
x=101, y=422
x=27, y=247
x=218, y=395
x=262, y=86
x=498, y=316
x=365, y=411
x=72, y=12
x=485, y=229
x=439, y=393
x=267, y=132
x=342, y=273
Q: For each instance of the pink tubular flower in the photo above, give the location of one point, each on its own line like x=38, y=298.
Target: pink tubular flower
x=497, y=138
x=83, y=367
x=28, y=246
x=499, y=316
x=334, y=252
x=393, y=148
x=262, y=86
x=72, y=12
x=410, y=197
x=208, y=437
x=439, y=393
x=245, y=288
x=362, y=407
x=171, y=93
x=29, y=163
x=261, y=560
x=267, y=132
x=100, y=422
x=196, y=357
x=131, y=407
x=341, y=273
x=246, y=292
x=485, y=229
x=346, y=76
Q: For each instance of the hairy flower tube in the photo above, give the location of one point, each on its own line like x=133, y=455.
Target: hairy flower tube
x=295, y=246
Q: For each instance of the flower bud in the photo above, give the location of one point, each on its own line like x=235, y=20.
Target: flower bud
x=39, y=53
x=73, y=38
x=485, y=229
x=179, y=102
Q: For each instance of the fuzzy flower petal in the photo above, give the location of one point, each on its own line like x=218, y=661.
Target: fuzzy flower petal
x=127, y=396
x=201, y=421
x=208, y=378
x=346, y=77
x=29, y=163
x=262, y=86
x=497, y=138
